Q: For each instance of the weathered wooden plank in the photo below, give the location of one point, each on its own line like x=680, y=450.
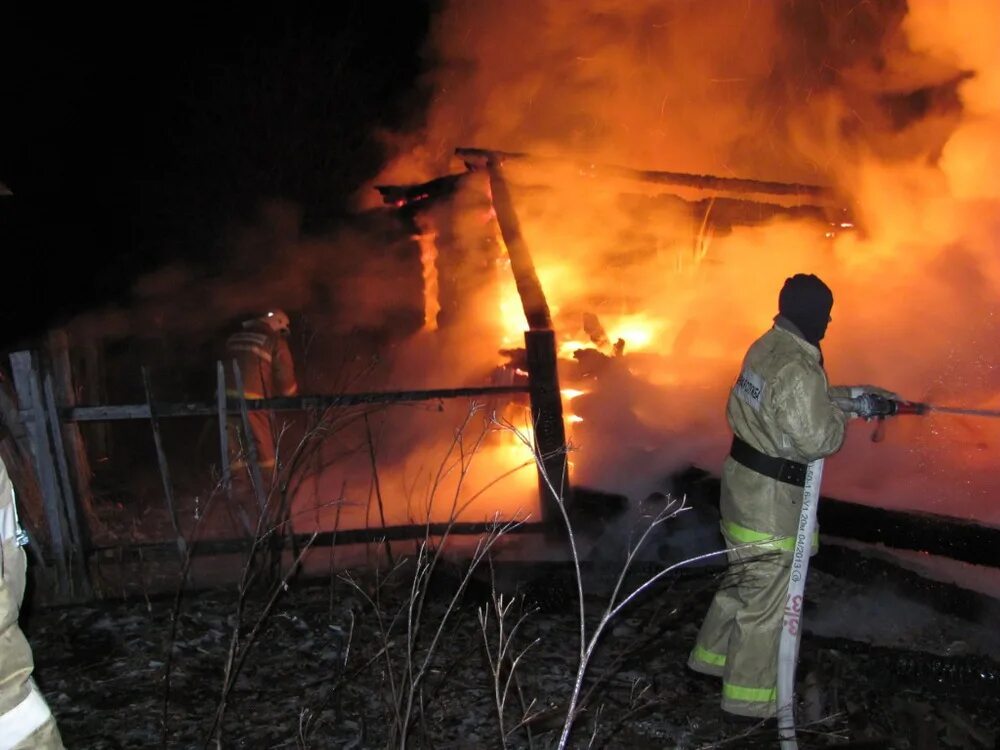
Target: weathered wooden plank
x=220, y=390
x=32, y=415
x=65, y=396
x=76, y=534
x=77, y=580
x=161, y=458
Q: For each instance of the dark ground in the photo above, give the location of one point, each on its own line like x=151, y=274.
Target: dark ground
x=316, y=675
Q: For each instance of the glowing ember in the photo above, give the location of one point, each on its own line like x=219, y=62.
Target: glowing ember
x=638, y=331
x=566, y=348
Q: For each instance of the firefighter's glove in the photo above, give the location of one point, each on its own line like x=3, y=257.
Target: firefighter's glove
x=874, y=406
x=858, y=390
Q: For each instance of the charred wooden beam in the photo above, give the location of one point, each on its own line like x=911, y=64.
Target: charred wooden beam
x=406, y=195
x=478, y=157
x=536, y=308
x=922, y=532
x=540, y=349
x=868, y=569
x=547, y=419
x=975, y=675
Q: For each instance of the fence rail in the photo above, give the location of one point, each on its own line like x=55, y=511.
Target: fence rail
x=85, y=413
x=375, y=535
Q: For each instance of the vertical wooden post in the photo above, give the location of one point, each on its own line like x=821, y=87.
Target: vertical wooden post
x=30, y=402
x=78, y=464
x=547, y=418
x=161, y=457
x=220, y=395
x=90, y=378
x=71, y=512
x=540, y=350
x=536, y=308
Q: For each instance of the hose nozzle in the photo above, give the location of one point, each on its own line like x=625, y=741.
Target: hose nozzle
x=874, y=406
x=910, y=407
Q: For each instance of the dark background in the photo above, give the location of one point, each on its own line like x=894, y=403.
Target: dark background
x=131, y=140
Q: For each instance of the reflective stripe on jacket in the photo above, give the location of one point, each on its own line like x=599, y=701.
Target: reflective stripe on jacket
x=781, y=406
x=265, y=362
x=23, y=710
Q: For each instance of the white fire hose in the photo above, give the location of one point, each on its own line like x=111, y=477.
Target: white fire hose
x=791, y=627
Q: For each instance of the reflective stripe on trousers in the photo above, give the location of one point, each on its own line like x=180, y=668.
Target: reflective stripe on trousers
x=743, y=535
x=715, y=663
x=712, y=658
x=747, y=694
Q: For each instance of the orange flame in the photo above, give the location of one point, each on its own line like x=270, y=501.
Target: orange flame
x=896, y=109
x=428, y=264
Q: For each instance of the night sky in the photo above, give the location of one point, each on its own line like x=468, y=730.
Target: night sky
x=133, y=140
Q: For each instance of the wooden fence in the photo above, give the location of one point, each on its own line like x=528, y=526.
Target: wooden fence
x=48, y=410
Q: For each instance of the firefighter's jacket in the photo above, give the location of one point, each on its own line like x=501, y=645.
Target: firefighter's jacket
x=25, y=718
x=781, y=406
x=265, y=362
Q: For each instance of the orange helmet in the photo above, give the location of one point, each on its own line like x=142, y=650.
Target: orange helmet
x=277, y=320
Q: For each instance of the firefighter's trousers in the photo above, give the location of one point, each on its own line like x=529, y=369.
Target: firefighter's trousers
x=25, y=719
x=738, y=640
x=262, y=427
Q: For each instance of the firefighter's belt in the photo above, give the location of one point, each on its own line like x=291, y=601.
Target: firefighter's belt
x=790, y=472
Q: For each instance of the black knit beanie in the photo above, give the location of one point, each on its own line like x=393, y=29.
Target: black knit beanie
x=806, y=301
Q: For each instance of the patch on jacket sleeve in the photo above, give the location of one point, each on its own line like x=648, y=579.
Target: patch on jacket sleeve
x=749, y=388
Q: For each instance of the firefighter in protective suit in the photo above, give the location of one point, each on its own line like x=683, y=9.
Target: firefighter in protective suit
x=782, y=417
x=261, y=351
x=25, y=718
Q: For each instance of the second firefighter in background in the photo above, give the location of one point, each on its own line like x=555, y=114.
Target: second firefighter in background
x=262, y=353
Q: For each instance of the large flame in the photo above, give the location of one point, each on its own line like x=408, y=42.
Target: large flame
x=894, y=106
